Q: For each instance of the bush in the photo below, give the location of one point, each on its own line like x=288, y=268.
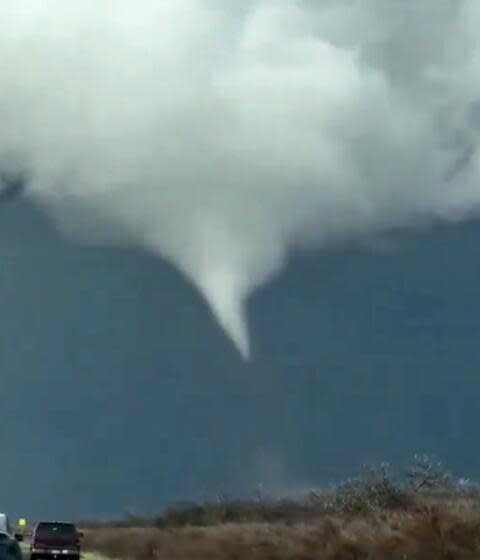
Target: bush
x=223, y=510
x=373, y=491
x=376, y=489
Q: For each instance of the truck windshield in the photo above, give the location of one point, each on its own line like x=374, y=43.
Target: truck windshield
x=51, y=529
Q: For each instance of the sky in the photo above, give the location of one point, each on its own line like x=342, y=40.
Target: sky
x=233, y=227
x=120, y=392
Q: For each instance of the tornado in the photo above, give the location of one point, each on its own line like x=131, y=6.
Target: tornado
x=225, y=136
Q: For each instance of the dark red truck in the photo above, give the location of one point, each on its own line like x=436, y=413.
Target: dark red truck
x=53, y=540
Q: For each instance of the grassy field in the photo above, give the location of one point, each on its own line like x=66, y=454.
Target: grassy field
x=449, y=531
x=427, y=515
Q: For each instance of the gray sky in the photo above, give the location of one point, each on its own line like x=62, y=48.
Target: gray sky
x=121, y=393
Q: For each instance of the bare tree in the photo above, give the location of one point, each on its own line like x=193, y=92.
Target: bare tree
x=427, y=473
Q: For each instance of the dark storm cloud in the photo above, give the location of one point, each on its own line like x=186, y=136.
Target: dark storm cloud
x=10, y=188
x=223, y=135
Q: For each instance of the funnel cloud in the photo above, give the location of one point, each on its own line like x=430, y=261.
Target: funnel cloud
x=224, y=135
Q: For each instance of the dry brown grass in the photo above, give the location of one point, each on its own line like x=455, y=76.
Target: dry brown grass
x=447, y=530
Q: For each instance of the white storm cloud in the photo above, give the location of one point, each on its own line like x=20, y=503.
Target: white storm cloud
x=223, y=135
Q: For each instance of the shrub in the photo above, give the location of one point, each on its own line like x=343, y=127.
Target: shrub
x=427, y=473
x=373, y=491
